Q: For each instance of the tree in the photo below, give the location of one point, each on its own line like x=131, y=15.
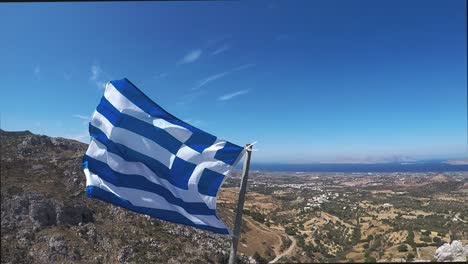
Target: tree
x=370, y=259
x=402, y=248
x=259, y=258
x=410, y=256
x=425, y=239
x=410, y=238
x=291, y=231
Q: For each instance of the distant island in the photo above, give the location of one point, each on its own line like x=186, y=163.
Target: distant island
x=458, y=162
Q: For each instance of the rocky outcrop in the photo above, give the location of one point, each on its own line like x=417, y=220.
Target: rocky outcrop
x=47, y=218
x=452, y=252
x=32, y=210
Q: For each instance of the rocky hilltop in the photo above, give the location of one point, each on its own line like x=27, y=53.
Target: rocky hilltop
x=47, y=218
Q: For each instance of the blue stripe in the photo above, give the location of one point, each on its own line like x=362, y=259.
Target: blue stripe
x=229, y=153
x=170, y=216
x=210, y=182
x=129, y=154
x=138, y=98
x=182, y=170
x=200, y=141
x=141, y=183
x=154, y=133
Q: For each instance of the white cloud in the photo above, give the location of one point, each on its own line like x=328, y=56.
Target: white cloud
x=97, y=76
x=222, y=49
x=82, y=117
x=209, y=79
x=95, y=72
x=190, y=57
x=215, y=77
x=85, y=119
x=232, y=95
x=192, y=122
x=101, y=84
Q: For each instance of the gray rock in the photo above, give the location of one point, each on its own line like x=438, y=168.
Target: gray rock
x=42, y=214
x=73, y=214
x=58, y=245
x=125, y=254
x=452, y=252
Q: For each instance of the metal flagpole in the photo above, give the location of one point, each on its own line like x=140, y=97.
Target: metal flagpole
x=240, y=205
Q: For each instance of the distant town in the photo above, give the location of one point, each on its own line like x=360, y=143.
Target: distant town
x=350, y=217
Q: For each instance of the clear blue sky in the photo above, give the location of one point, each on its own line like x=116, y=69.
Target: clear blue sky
x=310, y=80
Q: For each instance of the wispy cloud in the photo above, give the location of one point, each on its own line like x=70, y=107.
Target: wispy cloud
x=161, y=75
x=192, y=122
x=95, y=72
x=97, y=76
x=232, y=95
x=190, y=57
x=37, y=70
x=85, y=119
x=82, y=137
x=222, y=49
x=217, y=76
x=209, y=79
x=82, y=117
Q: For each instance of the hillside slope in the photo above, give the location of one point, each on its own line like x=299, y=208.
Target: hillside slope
x=47, y=218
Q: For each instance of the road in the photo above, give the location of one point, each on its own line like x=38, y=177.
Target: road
x=287, y=251
x=257, y=225
x=457, y=216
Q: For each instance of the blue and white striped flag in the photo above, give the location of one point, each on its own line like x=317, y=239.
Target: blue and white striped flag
x=146, y=160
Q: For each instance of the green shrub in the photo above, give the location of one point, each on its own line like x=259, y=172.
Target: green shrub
x=259, y=258
x=426, y=239
x=402, y=248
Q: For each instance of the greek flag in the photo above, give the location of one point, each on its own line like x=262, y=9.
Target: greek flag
x=146, y=160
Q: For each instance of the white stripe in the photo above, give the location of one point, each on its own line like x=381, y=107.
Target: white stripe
x=99, y=152
x=121, y=103
x=206, y=158
x=150, y=200
x=132, y=140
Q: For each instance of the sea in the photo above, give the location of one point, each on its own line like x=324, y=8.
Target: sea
x=420, y=166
